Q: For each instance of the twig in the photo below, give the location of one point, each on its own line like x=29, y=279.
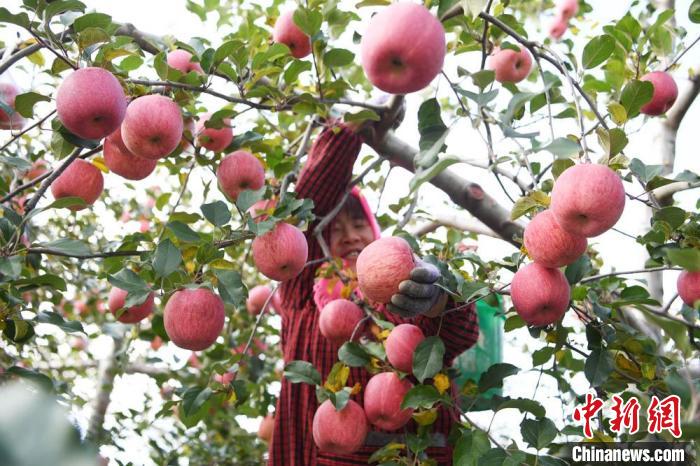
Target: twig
x=682, y=53
x=26, y=130
x=50, y=179
x=627, y=272
x=17, y=56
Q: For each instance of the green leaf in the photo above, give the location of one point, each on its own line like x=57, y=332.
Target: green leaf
x=563, y=148
x=231, y=287
x=183, y=232
x=72, y=247
x=294, y=69
x=493, y=377
x=24, y=103
x=194, y=398
x=308, y=20
x=52, y=281
x=538, y=433
x=20, y=19
x=248, y=197
x=524, y=405
x=302, y=371
x=471, y=446
x=92, y=20
x=483, y=78
x=217, y=213
x=634, y=95
x=166, y=259
x=18, y=330
x=61, y=6
x=428, y=358
x=353, y=355
x=11, y=267
x=338, y=57
x=128, y=281
x=362, y=115
x=694, y=11
x=598, y=367
x=597, y=51
x=421, y=396
x=617, y=113
x=576, y=271
x=423, y=176
x=68, y=326
x=430, y=125
x=560, y=165
x=687, y=258
x=674, y=216
x=340, y=399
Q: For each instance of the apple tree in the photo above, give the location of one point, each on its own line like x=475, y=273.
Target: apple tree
x=142, y=174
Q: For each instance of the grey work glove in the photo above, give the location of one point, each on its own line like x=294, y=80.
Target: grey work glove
x=419, y=294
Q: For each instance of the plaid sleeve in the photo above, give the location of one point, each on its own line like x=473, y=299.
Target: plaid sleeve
x=324, y=179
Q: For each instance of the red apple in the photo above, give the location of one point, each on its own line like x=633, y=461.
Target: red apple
x=510, y=66
x=587, y=199
x=194, y=318
x=288, y=33
x=181, y=60
x=122, y=162
x=665, y=93
x=152, y=127
x=267, y=428
x=257, y=297
x=156, y=343
x=15, y=121
x=567, y=8
x=239, y=171
x=558, y=27
x=225, y=378
x=91, y=103
x=134, y=314
x=214, y=139
x=339, y=432
x=144, y=225
x=280, y=254
x=37, y=169
x=382, y=265
x=403, y=48
x=338, y=320
x=540, y=295
x=401, y=344
x=688, y=285
x=81, y=179
x=382, y=400
x=550, y=245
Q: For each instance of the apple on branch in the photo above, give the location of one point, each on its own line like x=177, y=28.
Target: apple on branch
x=91, y=103
x=401, y=344
x=14, y=121
x=540, y=294
x=288, y=33
x=181, y=60
x=239, y=171
x=338, y=320
x=382, y=266
x=123, y=162
x=214, y=139
x=510, y=66
x=194, y=318
x=152, y=127
x=80, y=179
x=665, y=93
x=383, y=396
x=340, y=432
x=281, y=254
x=116, y=300
x=403, y=49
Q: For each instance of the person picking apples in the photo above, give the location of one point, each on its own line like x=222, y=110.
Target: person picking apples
x=345, y=437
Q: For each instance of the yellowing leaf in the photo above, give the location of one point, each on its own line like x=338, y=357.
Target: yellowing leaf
x=425, y=418
x=222, y=264
x=337, y=378
x=99, y=162
x=441, y=382
x=356, y=389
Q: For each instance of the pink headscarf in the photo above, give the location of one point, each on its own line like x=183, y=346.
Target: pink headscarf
x=322, y=294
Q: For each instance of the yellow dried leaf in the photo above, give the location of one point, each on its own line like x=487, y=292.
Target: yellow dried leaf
x=99, y=162
x=383, y=335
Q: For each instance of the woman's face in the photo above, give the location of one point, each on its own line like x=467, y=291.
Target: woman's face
x=349, y=236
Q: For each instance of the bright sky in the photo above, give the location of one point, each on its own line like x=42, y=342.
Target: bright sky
x=161, y=17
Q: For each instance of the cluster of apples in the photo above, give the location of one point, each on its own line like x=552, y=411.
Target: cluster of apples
x=566, y=9
x=587, y=200
x=344, y=431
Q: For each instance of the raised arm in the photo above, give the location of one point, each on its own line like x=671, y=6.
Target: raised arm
x=324, y=179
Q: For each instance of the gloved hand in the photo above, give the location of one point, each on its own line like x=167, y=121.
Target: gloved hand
x=419, y=294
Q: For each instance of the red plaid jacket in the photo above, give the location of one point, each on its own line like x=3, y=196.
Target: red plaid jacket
x=324, y=179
